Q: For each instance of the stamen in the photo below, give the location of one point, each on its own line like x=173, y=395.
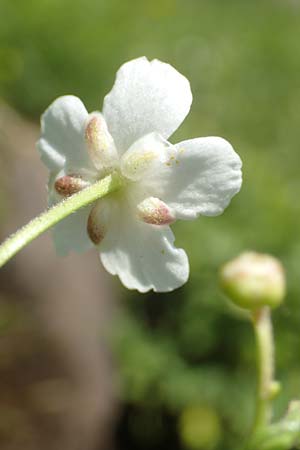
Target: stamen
x=69, y=185
x=100, y=144
x=144, y=155
x=136, y=163
x=95, y=229
x=154, y=211
x=93, y=132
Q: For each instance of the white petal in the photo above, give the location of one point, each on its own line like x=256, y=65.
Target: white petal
x=71, y=233
x=147, y=96
x=200, y=177
x=143, y=255
x=62, y=142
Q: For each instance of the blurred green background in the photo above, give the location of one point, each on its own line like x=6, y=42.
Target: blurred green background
x=186, y=360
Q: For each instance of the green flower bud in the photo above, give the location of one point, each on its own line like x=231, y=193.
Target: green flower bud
x=254, y=280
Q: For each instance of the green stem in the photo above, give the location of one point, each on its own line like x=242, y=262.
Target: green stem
x=55, y=214
x=265, y=362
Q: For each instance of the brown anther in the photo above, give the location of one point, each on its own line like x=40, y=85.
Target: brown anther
x=69, y=185
x=155, y=212
x=95, y=229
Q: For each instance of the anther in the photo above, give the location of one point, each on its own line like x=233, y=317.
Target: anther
x=95, y=229
x=154, y=211
x=69, y=185
x=100, y=144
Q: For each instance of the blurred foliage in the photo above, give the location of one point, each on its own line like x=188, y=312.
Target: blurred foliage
x=281, y=435
x=188, y=349
x=199, y=428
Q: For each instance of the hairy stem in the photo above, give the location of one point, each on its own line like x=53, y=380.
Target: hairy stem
x=47, y=219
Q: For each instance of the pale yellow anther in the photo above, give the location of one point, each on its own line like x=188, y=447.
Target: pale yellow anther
x=100, y=143
x=135, y=164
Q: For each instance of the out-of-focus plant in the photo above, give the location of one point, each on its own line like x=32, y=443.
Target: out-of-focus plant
x=282, y=435
x=256, y=283
x=199, y=428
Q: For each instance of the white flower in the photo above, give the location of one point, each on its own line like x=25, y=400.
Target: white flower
x=162, y=182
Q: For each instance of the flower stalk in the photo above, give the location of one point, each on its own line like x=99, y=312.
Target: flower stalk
x=56, y=213
x=266, y=387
